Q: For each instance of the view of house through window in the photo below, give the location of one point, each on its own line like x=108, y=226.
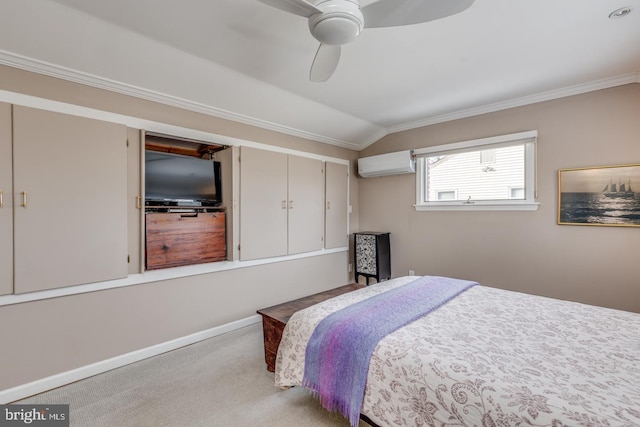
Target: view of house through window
x=490, y=173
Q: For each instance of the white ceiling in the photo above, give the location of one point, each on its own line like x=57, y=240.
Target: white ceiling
x=246, y=61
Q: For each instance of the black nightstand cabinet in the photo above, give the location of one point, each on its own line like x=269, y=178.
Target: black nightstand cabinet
x=372, y=255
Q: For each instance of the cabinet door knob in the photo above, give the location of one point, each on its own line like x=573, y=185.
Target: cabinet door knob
x=290, y=204
x=284, y=204
x=1, y=201
x=24, y=199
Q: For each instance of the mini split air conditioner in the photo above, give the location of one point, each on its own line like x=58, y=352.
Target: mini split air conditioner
x=387, y=164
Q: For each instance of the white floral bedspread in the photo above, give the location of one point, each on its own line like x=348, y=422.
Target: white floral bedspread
x=492, y=358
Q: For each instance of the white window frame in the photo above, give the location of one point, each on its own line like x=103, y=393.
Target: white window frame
x=528, y=138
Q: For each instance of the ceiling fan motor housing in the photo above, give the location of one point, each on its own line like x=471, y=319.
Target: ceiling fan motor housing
x=339, y=23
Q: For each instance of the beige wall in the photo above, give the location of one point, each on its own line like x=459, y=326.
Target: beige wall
x=523, y=251
x=47, y=337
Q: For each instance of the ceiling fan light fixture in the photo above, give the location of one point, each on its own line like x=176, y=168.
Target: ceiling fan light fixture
x=336, y=30
x=339, y=23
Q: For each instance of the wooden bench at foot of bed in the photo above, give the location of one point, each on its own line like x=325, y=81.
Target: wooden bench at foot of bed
x=275, y=318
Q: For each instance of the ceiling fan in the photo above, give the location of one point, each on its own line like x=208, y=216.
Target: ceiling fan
x=337, y=22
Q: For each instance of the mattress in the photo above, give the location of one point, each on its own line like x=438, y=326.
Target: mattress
x=491, y=357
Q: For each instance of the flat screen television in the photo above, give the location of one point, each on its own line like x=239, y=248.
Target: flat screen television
x=175, y=180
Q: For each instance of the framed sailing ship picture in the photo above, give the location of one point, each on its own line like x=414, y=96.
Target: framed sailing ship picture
x=606, y=195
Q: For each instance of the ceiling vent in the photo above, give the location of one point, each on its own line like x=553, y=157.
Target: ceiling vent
x=387, y=164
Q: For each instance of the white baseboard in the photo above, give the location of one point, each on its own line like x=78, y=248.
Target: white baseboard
x=25, y=390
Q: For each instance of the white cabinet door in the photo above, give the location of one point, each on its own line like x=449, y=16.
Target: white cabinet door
x=70, y=200
x=281, y=204
x=263, y=203
x=337, y=205
x=6, y=205
x=306, y=203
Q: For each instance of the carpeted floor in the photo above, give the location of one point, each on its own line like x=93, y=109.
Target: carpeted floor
x=222, y=381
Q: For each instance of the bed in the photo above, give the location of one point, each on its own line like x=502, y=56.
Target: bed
x=489, y=357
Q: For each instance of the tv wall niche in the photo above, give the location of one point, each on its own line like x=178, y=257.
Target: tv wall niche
x=184, y=220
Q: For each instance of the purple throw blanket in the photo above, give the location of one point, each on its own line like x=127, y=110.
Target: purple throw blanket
x=339, y=350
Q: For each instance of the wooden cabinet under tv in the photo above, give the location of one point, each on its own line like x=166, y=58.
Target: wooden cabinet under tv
x=182, y=238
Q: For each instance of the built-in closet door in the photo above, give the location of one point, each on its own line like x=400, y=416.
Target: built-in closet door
x=337, y=205
x=6, y=204
x=263, y=203
x=305, y=203
x=70, y=200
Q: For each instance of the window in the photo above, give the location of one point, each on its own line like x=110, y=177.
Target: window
x=447, y=195
x=488, y=156
x=496, y=173
x=517, y=192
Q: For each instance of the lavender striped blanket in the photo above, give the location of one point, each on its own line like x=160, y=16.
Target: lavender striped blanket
x=338, y=352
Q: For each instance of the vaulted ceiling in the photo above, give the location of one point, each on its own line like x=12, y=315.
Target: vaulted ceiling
x=246, y=61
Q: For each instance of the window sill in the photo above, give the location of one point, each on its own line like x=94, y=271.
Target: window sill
x=478, y=206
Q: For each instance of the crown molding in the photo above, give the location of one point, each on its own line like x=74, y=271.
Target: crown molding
x=41, y=67
x=519, y=102
x=52, y=70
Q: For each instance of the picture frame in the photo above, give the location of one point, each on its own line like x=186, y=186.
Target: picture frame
x=603, y=195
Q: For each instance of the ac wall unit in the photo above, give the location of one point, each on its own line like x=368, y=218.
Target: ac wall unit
x=387, y=164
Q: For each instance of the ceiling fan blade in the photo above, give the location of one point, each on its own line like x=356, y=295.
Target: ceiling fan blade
x=297, y=7
x=392, y=13
x=325, y=62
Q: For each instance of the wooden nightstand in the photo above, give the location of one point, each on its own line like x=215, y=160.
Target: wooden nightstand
x=275, y=318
